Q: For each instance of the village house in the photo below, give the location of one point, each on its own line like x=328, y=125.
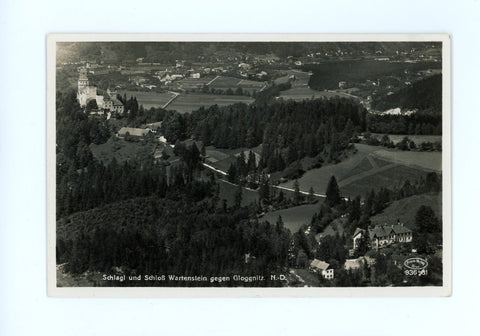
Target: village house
x=133, y=132
x=322, y=267
x=112, y=104
x=355, y=264
x=162, y=151
x=383, y=235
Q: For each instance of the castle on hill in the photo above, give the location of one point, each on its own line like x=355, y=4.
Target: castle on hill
x=87, y=92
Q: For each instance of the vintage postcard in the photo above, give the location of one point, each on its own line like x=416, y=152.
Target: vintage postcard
x=248, y=165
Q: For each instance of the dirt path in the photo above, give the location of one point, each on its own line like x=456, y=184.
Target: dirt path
x=175, y=95
x=213, y=80
x=275, y=186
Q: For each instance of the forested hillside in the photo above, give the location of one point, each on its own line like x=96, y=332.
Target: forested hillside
x=163, y=236
x=424, y=95
x=327, y=75
x=288, y=131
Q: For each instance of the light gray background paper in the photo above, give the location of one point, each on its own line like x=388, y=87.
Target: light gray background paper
x=24, y=306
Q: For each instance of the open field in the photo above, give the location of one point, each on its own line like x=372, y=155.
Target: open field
x=193, y=101
x=150, y=99
x=393, y=176
x=193, y=83
x=225, y=83
x=422, y=160
x=371, y=167
x=121, y=150
x=228, y=190
x=304, y=93
x=294, y=217
x=406, y=209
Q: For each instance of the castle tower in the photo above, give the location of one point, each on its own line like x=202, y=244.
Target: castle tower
x=82, y=80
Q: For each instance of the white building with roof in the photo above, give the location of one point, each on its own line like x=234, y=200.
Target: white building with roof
x=322, y=267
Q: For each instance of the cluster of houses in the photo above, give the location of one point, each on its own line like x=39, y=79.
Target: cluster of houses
x=379, y=236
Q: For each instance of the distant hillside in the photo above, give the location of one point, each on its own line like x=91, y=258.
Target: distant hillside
x=118, y=52
x=424, y=95
x=406, y=209
x=327, y=75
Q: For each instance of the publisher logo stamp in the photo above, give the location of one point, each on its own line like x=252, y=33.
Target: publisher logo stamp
x=416, y=266
x=416, y=263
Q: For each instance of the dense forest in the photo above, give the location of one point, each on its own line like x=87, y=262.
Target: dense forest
x=287, y=131
x=130, y=218
x=171, y=236
x=424, y=95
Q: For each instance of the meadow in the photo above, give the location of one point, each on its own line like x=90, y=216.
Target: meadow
x=193, y=83
x=225, y=83
x=122, y=150
x=150, y=99
x=293, y=218
x=371, y=167
x=193, y=101
x=228, y=191
x=405, y=209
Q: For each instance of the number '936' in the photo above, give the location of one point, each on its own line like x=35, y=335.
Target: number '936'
x=416, y=272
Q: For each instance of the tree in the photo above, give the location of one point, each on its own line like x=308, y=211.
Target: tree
x=333, y=192
x=232, y=173
x=355, y=211
x=426, y=221
x=91, y=105
x=264, y=189
x=311, y=195
x=403, y=145
x=238, y=197
x=251, y=162
x=296, y=192
x=364, y=244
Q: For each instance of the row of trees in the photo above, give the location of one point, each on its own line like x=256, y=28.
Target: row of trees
x=419, y=123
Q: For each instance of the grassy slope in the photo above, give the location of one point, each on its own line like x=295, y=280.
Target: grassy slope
x=318, y=178
x=150, y=99
x=393, y=168
x=405, y=209
x=227, y=191
x=193, y=101
x=295, y=217
x=121, y=150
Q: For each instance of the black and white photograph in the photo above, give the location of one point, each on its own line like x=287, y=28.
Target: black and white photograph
x=313, y=164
